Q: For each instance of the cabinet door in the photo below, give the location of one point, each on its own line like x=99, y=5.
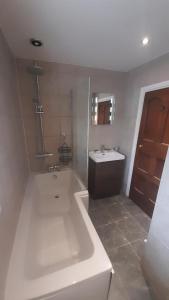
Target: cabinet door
x=108, y=178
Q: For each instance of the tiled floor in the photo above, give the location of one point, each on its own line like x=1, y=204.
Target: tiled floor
x=122, y=227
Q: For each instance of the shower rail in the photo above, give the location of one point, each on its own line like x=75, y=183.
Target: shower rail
x=37, y=71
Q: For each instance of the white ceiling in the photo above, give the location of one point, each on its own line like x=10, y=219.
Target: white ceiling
x=97, y=33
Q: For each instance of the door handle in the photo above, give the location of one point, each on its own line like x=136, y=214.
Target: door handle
x=140, y=146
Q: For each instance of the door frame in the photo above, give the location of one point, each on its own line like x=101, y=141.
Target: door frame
x=143, y=90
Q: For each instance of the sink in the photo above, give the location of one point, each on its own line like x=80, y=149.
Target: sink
x=107, y=155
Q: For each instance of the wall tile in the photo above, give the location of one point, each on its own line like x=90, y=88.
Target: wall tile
x=60, y=105
x=66, y=126
x=51, y=126
x=30, y=124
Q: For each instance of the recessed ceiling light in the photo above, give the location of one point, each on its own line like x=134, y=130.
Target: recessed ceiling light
x=36, y=43
x=145, y=41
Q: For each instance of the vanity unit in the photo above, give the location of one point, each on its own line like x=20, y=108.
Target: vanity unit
x=105, y=173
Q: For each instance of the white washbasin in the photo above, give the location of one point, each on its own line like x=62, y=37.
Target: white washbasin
x=108, y=155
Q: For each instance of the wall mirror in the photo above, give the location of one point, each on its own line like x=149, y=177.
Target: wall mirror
x=103, y=109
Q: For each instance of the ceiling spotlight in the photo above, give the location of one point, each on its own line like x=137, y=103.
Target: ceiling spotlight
x=36, y=43
x=145, y=41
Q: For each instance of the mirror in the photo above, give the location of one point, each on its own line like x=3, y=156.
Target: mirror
x=103, y=109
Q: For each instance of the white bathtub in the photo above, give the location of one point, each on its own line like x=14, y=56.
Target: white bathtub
x=57, y=253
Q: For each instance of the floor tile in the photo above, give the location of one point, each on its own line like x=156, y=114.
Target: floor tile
x=104, y=202
x=117, y=289
x=111, y=236
x=116, y=200
x=138, y=247
x=132, y=207
x=137, y=290
x=122, y=197
x=122, y=228
x=143, y=220
x=118, y=212
x=132, y=291
x=131, y=229
x=100, y=217
x=131, y=284
x=95, y=204
x=125, y=263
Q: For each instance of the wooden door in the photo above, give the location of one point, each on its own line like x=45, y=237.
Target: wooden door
x=152, y=145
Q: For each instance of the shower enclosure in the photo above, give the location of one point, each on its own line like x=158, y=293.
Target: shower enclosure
x=81, y=97
x=55, y=110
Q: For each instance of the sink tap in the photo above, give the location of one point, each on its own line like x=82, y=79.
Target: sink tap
x=102, y=148
x=117, y=149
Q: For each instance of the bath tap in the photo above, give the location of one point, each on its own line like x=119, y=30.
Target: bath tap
x=57, y=168
x=51, y=169
x=54, y=168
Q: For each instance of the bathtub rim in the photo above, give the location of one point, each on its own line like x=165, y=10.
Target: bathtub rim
x=95, y=265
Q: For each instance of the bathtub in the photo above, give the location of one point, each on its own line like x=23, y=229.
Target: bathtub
x=57, y=254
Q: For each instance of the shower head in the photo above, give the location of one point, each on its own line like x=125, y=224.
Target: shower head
x=35, y=70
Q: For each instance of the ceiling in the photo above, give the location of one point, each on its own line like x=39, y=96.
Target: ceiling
x=104, y=34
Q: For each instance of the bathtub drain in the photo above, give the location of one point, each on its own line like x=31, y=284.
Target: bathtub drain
x=57, y=196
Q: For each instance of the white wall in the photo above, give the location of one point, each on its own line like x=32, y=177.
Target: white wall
x=156, y=254
x=13, y=168
x=151, y=73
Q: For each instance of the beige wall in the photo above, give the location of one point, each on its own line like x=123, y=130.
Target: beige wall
x=60, y=79
x=114, y=83
x=13, y=169
x=55, y=92
x=55, y=88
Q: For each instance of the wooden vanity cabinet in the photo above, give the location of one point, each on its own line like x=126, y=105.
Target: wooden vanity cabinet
x=105, y=178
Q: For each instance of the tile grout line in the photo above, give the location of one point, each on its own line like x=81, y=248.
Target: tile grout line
x=134, y=251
